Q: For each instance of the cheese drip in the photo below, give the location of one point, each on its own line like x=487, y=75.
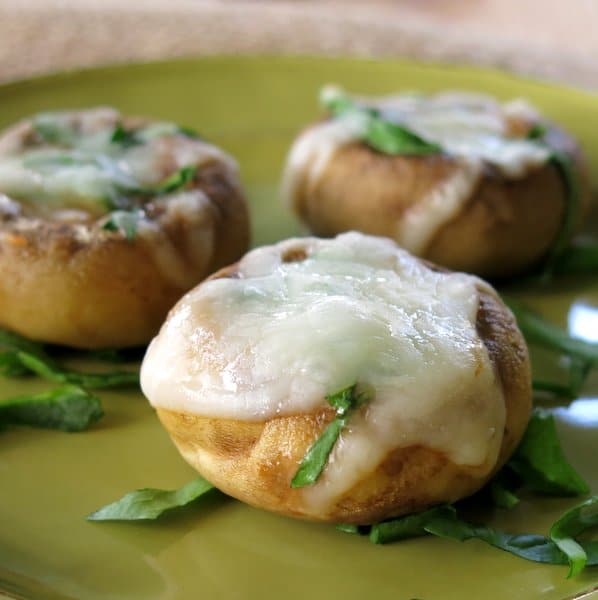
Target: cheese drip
x=473, y=129
x=280, y=336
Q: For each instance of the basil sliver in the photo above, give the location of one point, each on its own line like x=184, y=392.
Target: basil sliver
x=314, y=461
x=68, y=408
x=373, y=129
x=151, y=503
x=540, y=462
x=571, y=524
x=20, y=356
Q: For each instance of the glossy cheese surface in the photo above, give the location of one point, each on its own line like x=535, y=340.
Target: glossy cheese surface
x=278, y=337
x=71, y=160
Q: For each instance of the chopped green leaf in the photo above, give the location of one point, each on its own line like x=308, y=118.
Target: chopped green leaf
x=570, y=525
x=373, y=129
x=176, y=181
x=50, y=370
x=502, y=496
x=124, y=221
x=443, y=521
x=124, y=138
x=537, y=131
x=150, y=503
x=536, y=548
x=406, y=527
x=566, y=169
x=539, y=460
x=9, y=340
x=11, y=365
x=68, y=408
x=15, y=350
x=314, y=461
x=538, y=331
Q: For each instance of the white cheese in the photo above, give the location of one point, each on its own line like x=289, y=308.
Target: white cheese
x=79, y=167
x=473, y=129
x=278, y=338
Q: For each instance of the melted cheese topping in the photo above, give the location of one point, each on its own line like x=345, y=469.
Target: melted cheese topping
x=471, y=128
x=280, y=336
x=77, y=166
x=64, y=167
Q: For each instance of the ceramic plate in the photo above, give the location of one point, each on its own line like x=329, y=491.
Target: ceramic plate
x=223, y=549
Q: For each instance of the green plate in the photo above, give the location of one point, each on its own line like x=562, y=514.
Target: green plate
x=223, y=549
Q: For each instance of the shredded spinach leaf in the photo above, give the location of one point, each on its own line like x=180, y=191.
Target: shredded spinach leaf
x=151, y=503
x=540, y=462
x=555, y=261
x=68, y=408
x=176, y=181
x=124, y=137
x=345, y=402
x=502, y=496
x=538, y=331
x=19, y=356
x=571, y=524
x=406, y=527
x=566, y=170
x=373, y=129
x=536, y=548
x=443, y=521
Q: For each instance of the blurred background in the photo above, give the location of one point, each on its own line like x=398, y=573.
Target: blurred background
x=547, y=39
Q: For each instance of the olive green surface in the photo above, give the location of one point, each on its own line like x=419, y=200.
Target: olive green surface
x=221, y=548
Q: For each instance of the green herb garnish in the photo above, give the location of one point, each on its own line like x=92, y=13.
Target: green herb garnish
x=124, y=221
x=442, y=521
x=19, y=356
x=176, y=181
x=68, y=408
x=566, y=169
x=407, y=527
x=124, y=137
x=571, y=524
x=540, y=462
x=572, y=208
x=502, y=496
x=536, y=548
x=151, y=503
x=373, y=129
x=345, y=402
x=538, y=331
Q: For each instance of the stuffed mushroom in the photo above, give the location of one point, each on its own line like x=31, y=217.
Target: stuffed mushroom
x=105, y=221
x=341, y=380
x=459, y=179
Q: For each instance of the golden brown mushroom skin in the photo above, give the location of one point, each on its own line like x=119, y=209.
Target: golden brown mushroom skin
x=505, y=227
x=255, y=461
x=78, y=285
